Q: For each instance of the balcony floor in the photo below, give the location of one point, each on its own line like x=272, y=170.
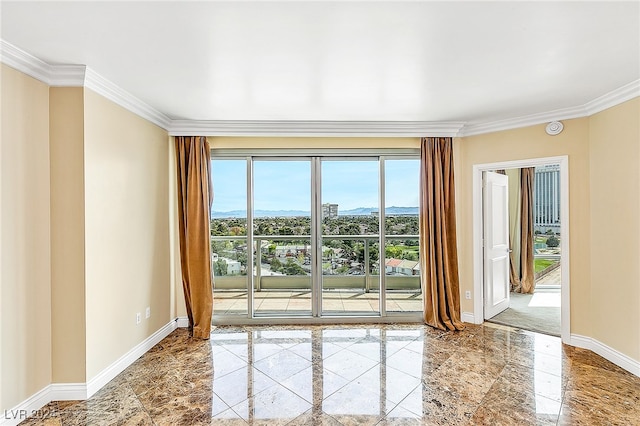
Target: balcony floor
x=298, y=302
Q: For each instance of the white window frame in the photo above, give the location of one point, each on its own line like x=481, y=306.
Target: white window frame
x=315, y=156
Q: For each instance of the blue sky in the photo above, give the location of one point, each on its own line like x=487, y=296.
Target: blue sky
x=286, y=185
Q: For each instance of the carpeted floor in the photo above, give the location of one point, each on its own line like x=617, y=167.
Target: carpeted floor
x=538, y=312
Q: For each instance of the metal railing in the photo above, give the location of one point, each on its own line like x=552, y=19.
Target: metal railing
x=548, y=256
x=367, y=281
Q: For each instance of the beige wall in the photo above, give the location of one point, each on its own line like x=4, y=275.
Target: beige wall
x=68, y=327
x=528, y=143
x=178, y=308
x=604, y=181
x=614, y=149
x=127, y=241
x=85, y=238
x=25, y=269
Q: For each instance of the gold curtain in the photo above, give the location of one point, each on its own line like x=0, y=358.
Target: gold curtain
x=438, y=249
x=515, y=228
x=527, y=272
x=194, y=211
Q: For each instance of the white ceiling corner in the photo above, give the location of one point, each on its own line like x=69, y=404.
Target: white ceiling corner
x=79, y=76
x=24, y=62
x=616, y=97
x=109, y=90
x=67, y=75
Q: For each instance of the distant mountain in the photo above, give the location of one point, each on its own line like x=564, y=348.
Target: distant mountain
x=259, y=213
x=390, y=211
x=360, y=211
x=226, y=215
x=401, y=210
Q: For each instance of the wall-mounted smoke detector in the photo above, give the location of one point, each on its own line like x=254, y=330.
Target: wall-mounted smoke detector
x=554, y=128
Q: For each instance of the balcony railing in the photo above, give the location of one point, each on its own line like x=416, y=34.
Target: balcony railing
x=367, y=281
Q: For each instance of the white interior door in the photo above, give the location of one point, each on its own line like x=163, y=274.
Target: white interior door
x=496, y=243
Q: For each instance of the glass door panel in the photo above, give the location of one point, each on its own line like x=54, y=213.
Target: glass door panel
x=402, y=253
x=350, y=237
x=282, y=237
x=315, y=236
x=229, y=237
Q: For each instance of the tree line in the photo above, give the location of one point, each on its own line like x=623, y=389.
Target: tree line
x=342, y=225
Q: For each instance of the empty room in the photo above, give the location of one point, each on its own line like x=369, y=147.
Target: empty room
x=320, y=213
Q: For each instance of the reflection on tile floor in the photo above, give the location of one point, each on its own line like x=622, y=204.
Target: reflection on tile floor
x=334, y=301
x=361, y=375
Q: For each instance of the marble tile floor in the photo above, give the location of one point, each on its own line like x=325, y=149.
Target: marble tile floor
x=337, y=301
x=361, y=375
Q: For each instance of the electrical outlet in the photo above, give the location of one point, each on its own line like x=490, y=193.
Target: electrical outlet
x=138, y=318
x=467, y=294
x=147, y=313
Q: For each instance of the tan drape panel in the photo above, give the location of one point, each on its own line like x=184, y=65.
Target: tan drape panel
x=438, y=249
x=527, y=272
x=515, y=210
x=194, y=211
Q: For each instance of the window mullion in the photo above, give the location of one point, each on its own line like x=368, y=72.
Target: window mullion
x=381, y=250
x=250, y=243
x=316, y=237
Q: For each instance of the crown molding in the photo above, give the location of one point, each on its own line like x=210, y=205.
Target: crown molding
x=608, y=100
x=83, y=76
x=613, y=98
x=24, y=62
x=472, y=129
x=315, y=128
x=78, y=76
x=111, y=91
x=67, y=75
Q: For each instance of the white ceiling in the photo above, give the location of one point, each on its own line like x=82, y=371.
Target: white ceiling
x=390, y=61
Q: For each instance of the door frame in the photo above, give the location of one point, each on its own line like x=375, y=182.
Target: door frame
x=478, y=256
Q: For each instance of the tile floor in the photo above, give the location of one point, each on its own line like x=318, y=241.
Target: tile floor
x=336, y=301
x=361, y=375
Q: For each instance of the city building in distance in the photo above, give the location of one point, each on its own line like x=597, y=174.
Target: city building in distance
x=329, y=210
x=546, y=199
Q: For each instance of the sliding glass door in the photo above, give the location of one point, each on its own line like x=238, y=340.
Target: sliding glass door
x=401, y=248
x=301, y=236
x=229, y=253
x=282, y=237
x=350, y=233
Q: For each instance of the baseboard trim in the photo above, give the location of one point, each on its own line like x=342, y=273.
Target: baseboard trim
x=182, y=322
x=26, y=408
x=616, y=357
x=68, y=391
x=468, y=317
x=109, y=373
x=81, y=391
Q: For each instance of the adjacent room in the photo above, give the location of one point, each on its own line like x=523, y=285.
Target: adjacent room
x=318, y=212
x=535, y=270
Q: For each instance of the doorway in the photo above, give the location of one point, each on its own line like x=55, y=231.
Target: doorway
x=546, y=308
